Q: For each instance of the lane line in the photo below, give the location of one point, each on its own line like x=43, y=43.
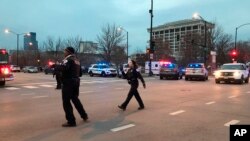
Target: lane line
x=27, y=94
x=232, y=122
x=85, y=92
x=122, y=127
x=12, y=88
x=177, y=112
x=119, y=88
x=248, y=92
x=103, y=87
x=47, y=86
x=209, y=103
x=40, y=97
x=232, y=96
x=30, y=87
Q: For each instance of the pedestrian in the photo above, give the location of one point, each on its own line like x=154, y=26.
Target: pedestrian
x=58, y=75
x=132, y=76
x=70, y=69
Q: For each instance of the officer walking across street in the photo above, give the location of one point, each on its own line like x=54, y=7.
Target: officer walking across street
x=132, y=76
x=70, y=69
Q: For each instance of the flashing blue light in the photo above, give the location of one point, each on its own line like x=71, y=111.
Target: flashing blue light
x=196, y=65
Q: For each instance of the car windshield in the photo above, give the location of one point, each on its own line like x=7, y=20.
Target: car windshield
x=232, y=67
x=169, y=66
x=194, y=66
x=102, y=67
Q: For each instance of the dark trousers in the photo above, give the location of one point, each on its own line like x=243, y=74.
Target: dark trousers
x=133, y=92
x=70, y=92
x=58, y=81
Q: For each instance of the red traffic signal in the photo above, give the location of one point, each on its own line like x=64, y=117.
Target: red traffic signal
x=234, y=53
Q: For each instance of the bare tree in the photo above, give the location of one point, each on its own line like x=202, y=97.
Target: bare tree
x=119, y=55
x=162, y=49
x=109, y=39
x=73, y=42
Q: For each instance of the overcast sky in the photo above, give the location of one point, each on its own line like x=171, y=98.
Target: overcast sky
x=70, y=18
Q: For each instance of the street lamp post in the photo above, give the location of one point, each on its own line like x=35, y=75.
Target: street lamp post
x=150, y=40
x=17, y=43
x=120, y=29
x=236, y=30
x=196, y=15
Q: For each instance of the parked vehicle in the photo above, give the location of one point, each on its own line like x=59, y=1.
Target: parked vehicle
x=102, y=70
x=15, y=68
x=170, y=70
x=196, y=71
x=5, y=72
x=30, y=69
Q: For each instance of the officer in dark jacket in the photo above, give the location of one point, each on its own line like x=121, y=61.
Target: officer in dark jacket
x=70, y=68
x=58, y=75
x=132, y=76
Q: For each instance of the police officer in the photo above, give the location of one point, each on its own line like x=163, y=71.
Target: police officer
x=70, y=89
x=132, y=76
x=58, y=75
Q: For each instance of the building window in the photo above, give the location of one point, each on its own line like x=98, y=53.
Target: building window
x=183, y=29
x=171, y=30
x=189, y=28
x=161, y=32
x=177, y=30
x=195, y=27
x=166, y=31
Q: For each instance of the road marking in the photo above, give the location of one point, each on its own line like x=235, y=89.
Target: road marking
x=30, y=87
x=12, y=88
x=248, y=92
x=177, y=112
x=232, y=122
x=40, y=96
x=85, y=92
x=232, y=96
x=27, y=94
x=119, y=88
x=47, y=86
x=103, y=87
x=122, y=127
x=209, y=103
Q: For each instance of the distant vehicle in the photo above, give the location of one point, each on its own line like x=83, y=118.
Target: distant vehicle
x=48, y=70
x=232, y=72
x=15, y=68
x=155, y=67
x=197, y=71
x=102, y=70
x=5, y=72
x=170, y=70
x=30, y=69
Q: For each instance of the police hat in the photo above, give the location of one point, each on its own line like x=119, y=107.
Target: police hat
x=70, y=50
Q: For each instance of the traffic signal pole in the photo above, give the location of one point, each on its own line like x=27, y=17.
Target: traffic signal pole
x=151, y=45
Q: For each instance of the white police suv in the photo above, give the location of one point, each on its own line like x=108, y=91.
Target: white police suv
x=232, y=72
x=196, y=70
x=102, y=70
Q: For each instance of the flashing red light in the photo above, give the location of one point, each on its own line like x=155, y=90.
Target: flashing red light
x=3, y=51
x=51, y=63
x=164, y=62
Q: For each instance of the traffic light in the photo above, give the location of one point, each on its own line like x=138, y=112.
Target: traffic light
x=234, y=55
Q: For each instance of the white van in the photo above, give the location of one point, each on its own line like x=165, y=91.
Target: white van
x=155, y=67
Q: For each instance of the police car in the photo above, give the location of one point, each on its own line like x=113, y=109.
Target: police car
x=232, y=72
x=102, y=70
x=170, y=70
x=197, y=71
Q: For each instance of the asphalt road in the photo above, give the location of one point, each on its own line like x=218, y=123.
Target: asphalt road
x=176, y=110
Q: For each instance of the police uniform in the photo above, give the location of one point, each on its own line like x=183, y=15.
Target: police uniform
x=132, y=76
x=70, y=89
x=58, y=75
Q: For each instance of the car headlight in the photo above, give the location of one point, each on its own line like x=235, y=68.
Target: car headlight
x=237, y=74
x=217, y=73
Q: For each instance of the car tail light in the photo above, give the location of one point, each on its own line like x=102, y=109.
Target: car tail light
x=5, y=70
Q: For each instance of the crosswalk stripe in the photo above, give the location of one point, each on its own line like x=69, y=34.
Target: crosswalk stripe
x=177, y=112
x=232, y=122
x=30, y=87
x=47, y=86
x=12, y=88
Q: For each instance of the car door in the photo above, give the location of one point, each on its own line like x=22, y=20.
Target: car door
x=245, y=71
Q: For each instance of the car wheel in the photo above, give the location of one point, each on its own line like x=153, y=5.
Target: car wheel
x=103, y=74
x=91, y=74
x=217, y=81
x=241, y=80
x=161, y=77
x=186, y=78
x=2, y=83
x=247, y=80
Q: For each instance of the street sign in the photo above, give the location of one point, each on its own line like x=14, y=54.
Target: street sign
x=151, y=56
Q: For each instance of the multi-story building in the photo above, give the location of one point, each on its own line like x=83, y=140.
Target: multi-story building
x=180, y=34
x=30, y=42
